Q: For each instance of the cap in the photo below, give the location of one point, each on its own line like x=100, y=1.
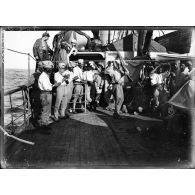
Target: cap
x=80, y=61
x=45, y=34
x=47, y=64
x=72, y=64
x=61, y=65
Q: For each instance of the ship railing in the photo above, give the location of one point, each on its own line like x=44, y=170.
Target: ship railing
x=26, y=107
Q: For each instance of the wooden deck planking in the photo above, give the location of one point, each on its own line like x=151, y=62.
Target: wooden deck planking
x=88, y=141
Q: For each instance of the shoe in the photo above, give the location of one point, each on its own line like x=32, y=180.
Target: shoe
x=74, y=112
x=55, y=119
x=67, y=116
x=62, y=117
x=117, y=116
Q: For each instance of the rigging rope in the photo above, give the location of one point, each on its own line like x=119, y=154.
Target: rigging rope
x=16, y=138
x=134, y=60
x=20, y=53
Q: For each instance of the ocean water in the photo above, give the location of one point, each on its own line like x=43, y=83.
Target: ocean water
x=13, y=78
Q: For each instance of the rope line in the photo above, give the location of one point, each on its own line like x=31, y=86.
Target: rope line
x=28, y=54
x=17, y=51
x=140, y=60
x=16, y=138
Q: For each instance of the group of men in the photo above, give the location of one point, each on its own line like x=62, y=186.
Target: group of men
x=171, y=79
x=69, y=80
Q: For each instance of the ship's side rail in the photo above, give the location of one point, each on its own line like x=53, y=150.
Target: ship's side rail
x=25, y=106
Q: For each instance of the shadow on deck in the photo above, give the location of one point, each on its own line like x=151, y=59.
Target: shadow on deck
x=97, y=140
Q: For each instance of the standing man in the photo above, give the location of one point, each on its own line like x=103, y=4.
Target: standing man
x=69, y=88
x=117, y=75
x=45, y=96
x=78, y=88
x=98, y=84
x=62, y=78
x=88, y=76
x=41, y=49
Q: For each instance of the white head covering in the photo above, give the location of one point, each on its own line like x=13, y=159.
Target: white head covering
x=47, y=64
x=61, y=65
x=80, y=61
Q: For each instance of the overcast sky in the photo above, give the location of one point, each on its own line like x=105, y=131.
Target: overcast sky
x=23, y=41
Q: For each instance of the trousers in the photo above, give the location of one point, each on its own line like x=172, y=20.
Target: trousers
x=88, y=94
x=118, y=96
x=78, y=91
x=46, y=100
x=69, y=89
x=61, y=95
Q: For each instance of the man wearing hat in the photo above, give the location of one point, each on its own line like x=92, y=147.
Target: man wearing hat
x=34, y=93
x=78, y=88
x=41, y=49
x=45, y=87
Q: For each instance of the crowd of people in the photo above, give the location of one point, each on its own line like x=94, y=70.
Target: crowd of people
x=60, y=86
x=63, y=86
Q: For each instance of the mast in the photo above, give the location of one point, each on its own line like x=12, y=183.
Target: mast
x=147, y=42
x=144, y=41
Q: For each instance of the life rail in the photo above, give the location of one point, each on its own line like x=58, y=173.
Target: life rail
x=26, y=107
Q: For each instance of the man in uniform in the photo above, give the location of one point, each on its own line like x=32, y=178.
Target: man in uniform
x=78, y=88
x=41, y=49
x=45, y=87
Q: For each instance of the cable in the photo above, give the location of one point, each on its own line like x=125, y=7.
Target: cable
x=17, y=51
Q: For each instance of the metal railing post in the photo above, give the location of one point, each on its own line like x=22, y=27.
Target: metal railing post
x=28, y=88
x=24, y=106
x=28, y=67
x=85, y=97
x=12, y=120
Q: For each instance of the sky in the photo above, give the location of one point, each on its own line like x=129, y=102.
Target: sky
x=23, y=41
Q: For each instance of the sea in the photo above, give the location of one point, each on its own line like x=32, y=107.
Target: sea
x=13, y=78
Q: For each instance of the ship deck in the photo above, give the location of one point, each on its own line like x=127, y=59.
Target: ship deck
x=97, y=140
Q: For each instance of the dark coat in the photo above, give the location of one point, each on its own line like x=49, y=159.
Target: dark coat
x=40, y=53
